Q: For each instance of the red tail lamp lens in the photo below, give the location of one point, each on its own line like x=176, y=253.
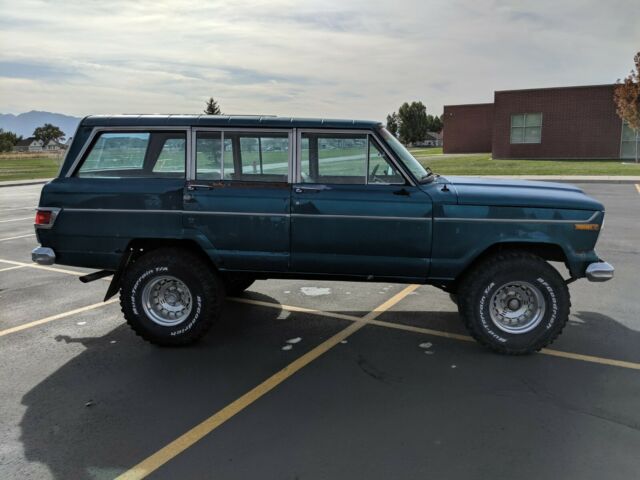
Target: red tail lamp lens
x=43, y=217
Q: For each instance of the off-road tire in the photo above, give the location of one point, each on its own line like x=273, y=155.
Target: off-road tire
x=205, y=288
x=479, y=285
x=235, y=284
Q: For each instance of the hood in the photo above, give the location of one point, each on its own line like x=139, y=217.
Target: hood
x=519, y=193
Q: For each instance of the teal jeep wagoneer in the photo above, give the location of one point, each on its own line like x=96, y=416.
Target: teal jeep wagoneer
x=183, y=209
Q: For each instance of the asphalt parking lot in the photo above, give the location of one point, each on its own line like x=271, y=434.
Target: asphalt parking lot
x=314, y=379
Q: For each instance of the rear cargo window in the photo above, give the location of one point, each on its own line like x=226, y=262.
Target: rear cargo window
x=136, y=154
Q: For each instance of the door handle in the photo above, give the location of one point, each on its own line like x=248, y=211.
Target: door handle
x=308, y=189
x=194, y=186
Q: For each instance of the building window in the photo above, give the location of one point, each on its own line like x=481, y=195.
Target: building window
x=526, y=128
x=630, y=142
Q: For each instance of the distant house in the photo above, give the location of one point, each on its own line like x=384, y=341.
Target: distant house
x=54, y=146
x=28, y=145
x=432, y=139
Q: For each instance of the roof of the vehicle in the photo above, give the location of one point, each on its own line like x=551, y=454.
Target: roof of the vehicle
x=221, y=121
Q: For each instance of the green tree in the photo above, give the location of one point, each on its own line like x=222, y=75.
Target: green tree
x=413, y=122
x=393, y=123
x=434, y=123
x=48, y=132
x=626, y=94
x=8, y=140
x=212, y=107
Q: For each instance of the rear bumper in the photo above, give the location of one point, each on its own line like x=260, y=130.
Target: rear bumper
x=43, y=256
x=599, y=272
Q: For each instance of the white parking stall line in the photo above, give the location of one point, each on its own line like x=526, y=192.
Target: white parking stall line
x=19, y=236
x=17, y=219
x=13, y=209
x=11, y=268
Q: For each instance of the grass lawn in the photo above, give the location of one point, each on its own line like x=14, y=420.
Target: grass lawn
x=426, y=151
x=27, y=166
x=483, y=164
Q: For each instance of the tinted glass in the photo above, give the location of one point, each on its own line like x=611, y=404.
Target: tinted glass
x=114, y=152
x=333, y=158
x=136, y=154
x=380, y=168
x=208, y=155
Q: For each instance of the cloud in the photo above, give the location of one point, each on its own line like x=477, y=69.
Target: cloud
x=330, y=58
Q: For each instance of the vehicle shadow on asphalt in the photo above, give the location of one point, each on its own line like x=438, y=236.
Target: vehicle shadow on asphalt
x=122, y=399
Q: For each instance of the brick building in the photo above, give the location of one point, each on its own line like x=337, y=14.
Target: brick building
x=562, y=122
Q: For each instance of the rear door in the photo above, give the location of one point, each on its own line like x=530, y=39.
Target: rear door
x=237, y=201
x=353, y=212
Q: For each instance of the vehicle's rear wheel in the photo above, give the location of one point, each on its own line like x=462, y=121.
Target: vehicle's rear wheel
x=236, y=283
x=170, y=297
x=514, y=303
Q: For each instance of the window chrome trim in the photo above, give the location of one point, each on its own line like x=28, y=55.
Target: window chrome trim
x=97, y=130
x=195, y=131
x=513, y=220
x=370, y=133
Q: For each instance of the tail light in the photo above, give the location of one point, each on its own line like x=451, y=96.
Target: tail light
x=46, y=217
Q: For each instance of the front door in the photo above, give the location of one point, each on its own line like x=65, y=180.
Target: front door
x=238, y=205
x=353, y=213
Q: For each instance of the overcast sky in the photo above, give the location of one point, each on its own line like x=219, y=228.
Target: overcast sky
x=348, y=59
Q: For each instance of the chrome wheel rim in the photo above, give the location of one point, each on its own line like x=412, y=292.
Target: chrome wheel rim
x=517, y=307
x=166, y=300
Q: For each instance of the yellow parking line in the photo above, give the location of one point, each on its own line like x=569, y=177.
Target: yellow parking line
x=591, y=359
x=17, y=219
x=638, y=187
x=426, y=331
x=442, y=333
x=187, y=439
x=55, y=317
x=11, y=268
x=291, y=308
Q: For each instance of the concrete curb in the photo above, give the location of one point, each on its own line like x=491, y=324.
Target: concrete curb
x=20, y=183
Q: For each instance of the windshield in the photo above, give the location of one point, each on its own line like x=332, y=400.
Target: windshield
x=409, y=160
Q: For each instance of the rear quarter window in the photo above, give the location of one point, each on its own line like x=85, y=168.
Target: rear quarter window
x=135, y=154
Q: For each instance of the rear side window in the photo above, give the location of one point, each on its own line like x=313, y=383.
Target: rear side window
x=136, y=154
x=242, y=156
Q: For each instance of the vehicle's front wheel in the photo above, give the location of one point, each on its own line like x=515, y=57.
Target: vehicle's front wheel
x=170, y=297
x=514, y=303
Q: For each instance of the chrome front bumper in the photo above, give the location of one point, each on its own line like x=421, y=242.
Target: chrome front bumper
x=43, y=256
x=599, y=272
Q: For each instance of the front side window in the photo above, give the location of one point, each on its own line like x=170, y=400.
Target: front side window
x=240, y=156
x=333, y=158
x=136, y=154
x=336, y=158
x=381, y=170
x=526, y=128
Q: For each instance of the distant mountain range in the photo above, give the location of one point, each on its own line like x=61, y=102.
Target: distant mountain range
x=25, y=123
